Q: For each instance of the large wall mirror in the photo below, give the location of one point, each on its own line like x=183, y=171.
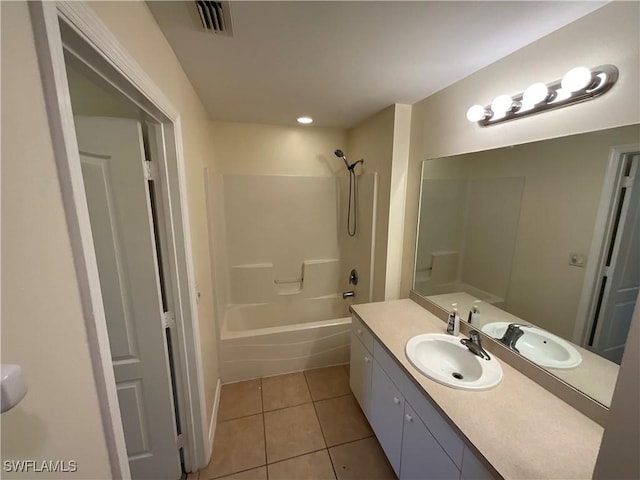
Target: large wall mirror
x=543, y=240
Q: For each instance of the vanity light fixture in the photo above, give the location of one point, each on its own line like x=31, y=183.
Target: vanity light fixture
x=578, y=85
x=305, y=120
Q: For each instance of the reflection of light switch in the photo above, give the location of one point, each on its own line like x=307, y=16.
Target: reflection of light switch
x=577, y=260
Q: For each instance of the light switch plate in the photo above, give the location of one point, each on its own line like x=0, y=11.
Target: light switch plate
x=577, y=260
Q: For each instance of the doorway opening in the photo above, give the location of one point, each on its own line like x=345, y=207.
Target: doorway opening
x=612, y=280
x=121, y=172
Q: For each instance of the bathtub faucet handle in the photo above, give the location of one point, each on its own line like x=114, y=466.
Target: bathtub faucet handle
x=348, y=294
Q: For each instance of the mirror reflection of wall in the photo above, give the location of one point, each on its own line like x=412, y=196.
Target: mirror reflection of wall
x=514, y=228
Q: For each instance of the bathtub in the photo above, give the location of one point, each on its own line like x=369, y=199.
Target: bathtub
x=259, y=340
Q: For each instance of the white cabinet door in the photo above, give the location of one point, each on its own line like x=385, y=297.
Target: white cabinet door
x=422, y=456
x=360, y=375
x=387, y=411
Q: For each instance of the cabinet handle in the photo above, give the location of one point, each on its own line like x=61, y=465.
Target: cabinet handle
x=367, y=359
x=396, y=400
x=408, y=417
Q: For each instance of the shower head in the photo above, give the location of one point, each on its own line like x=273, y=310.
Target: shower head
x=340, y=154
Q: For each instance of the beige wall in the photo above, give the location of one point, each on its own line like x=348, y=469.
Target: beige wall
x=397, y=200
x=257, y=149
x=138, y=32
x=373, y=141
x=43, y=328
x=440, y=128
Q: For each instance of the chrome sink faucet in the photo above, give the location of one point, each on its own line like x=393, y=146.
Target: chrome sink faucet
x=474, y=344
x=511, y=335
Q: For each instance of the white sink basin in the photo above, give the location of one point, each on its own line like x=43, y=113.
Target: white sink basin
x=539, y=346
x=445, y=360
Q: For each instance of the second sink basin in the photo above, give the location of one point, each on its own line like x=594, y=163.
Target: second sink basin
x=444, y=359
x=539, y=346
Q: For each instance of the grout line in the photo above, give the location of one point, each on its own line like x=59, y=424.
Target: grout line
x=233, y=473
x=288, y=406
x=333, y=398
x=298, y=456
x=352, y=441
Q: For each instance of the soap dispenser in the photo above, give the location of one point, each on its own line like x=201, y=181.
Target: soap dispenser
x=453, y=323
x=474, y=316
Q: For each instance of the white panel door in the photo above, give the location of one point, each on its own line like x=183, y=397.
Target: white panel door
x=622, y=277
x=113, y=169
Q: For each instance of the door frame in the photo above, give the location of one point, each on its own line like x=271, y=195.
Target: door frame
x=85, y=32
x=605, y=219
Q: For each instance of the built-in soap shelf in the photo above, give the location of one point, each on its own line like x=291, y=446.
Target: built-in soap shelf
x=257, y=283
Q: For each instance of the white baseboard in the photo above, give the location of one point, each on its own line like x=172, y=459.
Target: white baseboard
x=214, y=421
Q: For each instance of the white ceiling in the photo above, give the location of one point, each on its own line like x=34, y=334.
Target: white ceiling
x=340, y=62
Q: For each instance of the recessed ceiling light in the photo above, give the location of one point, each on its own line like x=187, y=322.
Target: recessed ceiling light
x=305, y=120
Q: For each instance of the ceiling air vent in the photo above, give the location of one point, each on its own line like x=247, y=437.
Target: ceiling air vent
x=215, y=17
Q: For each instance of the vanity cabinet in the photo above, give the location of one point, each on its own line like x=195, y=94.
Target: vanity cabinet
x=418, y=441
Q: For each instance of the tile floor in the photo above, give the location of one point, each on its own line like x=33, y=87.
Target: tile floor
x=299, y=426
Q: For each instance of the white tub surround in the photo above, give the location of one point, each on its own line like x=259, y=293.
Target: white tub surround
x=517, y=429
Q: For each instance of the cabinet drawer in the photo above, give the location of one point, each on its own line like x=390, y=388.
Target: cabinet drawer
x=362, y=332
x=432, y=418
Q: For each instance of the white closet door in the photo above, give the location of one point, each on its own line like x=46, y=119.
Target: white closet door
x=113, y=168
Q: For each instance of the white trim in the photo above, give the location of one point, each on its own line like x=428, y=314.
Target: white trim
x=597, y=252
x=44, y=18
x=214, y=419
x=138, y=86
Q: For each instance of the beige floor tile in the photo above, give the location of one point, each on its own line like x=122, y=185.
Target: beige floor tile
x=360, y=460
x=342, y=420
x=193, y=476
x=240, y=400
x=259, y=473
x=313, y=466
x=239, y=445
x=284, y=391
x=328, y=382
x=291, y=432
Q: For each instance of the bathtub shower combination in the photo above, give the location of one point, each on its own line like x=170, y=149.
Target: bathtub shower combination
x=289, y=261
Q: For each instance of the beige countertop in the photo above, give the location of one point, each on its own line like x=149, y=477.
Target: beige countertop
x=520, y=428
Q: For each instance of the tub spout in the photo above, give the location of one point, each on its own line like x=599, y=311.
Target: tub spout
x=348, y=294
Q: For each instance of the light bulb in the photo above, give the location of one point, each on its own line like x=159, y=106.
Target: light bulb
x=501, y=104
x=305, y=120
x=535, y=94
x=576, y=79
x=561, y=94
x=476, y=113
